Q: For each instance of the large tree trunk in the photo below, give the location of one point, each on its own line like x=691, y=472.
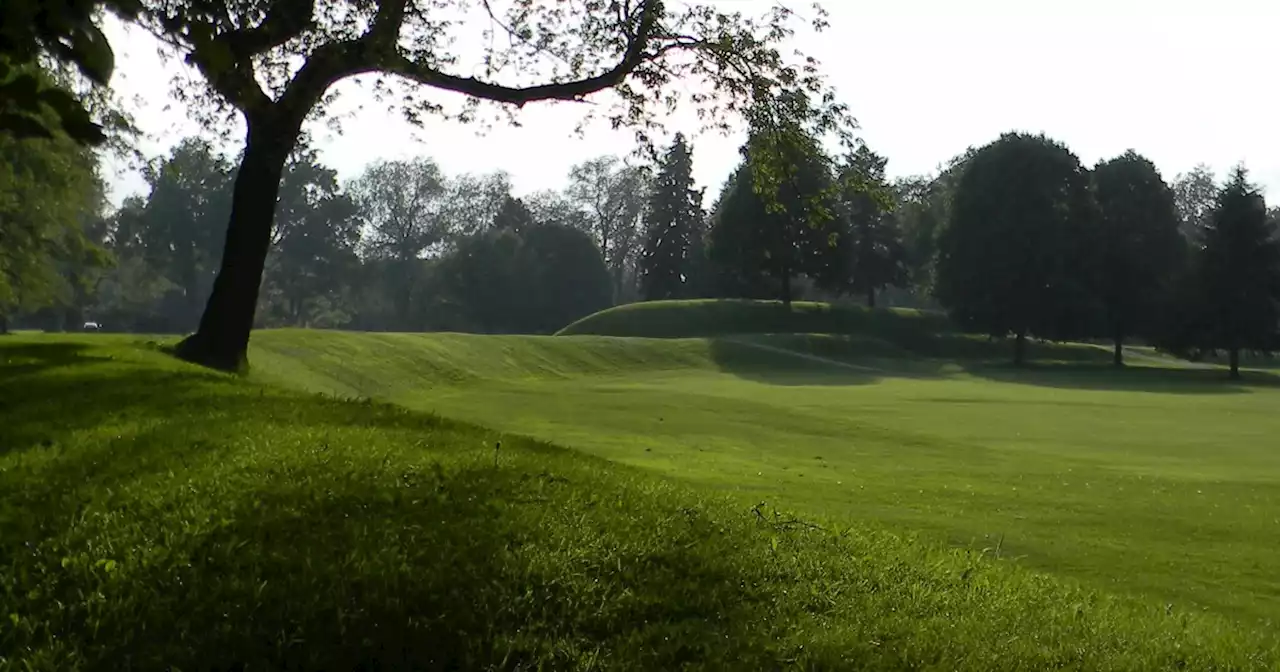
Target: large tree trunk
x=1235, y=363
x=786, y=289
x=871, y=297
x=4, y=324
x=222, y=339
x=1020, y=349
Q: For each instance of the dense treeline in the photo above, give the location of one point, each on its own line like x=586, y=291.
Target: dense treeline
x=1016, y=238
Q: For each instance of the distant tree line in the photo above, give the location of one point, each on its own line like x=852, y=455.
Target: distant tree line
x=1013, y=239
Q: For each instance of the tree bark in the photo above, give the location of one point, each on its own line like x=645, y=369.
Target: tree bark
x=4, y=324
x=871, y=297
x=1020, y=349
x=1235, y=363
x=222, y=340
x=786, y=289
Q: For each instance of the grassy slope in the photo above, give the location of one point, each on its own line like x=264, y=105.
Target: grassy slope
x=1158, y=482
x=156, y=515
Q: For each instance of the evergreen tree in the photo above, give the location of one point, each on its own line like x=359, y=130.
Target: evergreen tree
x=1239, y=272
x=668, y=261
x=513, y=215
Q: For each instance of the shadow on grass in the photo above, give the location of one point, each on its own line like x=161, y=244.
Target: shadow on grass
x=218, y=525
x=819, y=359
x=1105, y=377
x=21, y=359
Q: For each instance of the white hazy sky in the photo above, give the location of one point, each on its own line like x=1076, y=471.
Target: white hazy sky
x=1181, y=82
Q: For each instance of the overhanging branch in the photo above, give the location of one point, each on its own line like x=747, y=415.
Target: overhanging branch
x=571, y=90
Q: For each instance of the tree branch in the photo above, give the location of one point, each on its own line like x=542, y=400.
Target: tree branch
x=572, y=90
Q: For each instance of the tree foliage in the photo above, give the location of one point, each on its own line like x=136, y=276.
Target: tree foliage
x=50, y=196
x=534, y=279
x=760, y=241
x=612, y=196
x=274, y=61
x=1140, y=251
x=1195, y=197
x=674, y=217
x=317, y=228
x=1239, y=273
x=871, y=238
x=1017, y=254
x=37, y=34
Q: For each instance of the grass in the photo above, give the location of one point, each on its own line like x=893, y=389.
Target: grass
x=1157, y=482
x=153, y=515
x=718, y=317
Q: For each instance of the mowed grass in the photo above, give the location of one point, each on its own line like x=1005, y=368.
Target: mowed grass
x=157, y=516
x=1157, y=482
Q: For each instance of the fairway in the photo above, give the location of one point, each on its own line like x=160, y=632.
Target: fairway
x=1158, y=482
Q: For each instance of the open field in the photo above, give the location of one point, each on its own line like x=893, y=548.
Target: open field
x=1156, y=481
x=164, y=515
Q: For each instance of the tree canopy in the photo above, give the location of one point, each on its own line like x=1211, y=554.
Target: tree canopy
x=1141, y=249
x=1015, y=256
x=274, y=62
x=1239, y=279
x=674, y=212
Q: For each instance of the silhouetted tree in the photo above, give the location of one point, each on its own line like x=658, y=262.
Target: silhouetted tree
x=1018, y=250
x=274, y=61
x=872, y=240
x=1240, y=273
x=1195, y=195
x=674, y=218
x=1141, y=248
x=314, y=243
x=402, y=203
x=532, y=280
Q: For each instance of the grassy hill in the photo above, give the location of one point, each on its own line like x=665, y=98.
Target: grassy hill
x=718, y=317
x=833, y=330
x=156, y=515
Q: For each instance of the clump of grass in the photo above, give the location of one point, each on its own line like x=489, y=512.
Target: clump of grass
x=154, y=516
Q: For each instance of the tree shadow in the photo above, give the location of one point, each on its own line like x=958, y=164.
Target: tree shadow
x=1105, y=377
x=760, y=361
x=22, y=359
x=841, y=360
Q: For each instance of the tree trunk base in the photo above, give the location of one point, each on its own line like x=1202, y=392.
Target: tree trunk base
x=1020, y=350
x=199, y=349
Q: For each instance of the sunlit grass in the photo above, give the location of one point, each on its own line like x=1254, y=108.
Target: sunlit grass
x=155, y=516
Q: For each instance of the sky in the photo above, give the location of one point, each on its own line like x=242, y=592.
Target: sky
x=1180, y=82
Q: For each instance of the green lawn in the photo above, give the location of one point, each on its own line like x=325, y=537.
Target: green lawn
x=1159, y=482
x=158, y=516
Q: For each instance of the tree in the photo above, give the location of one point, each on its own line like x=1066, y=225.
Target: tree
x=923, y=206
x=471, y=203
x=1015, y=256
x=872, y=238
x=179, y=229
x=1240, y=272
x=402, y=202
x=1141, y=248
x=313, y=244
x=34, y=105
x=514, y=216
x=775, y=218
x=274, y=61
x=1195, y=197
x=674, y=217
x=612, y=195
x=49, y=194
x=554, y=207
x=535, y=280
